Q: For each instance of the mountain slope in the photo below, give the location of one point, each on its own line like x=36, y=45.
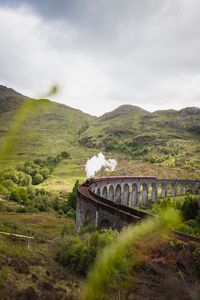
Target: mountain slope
x=168, y=137
x=9, y=99
x=48, y=127
x=155, y=137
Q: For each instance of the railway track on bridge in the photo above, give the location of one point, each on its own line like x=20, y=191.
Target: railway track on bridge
x=132, y=215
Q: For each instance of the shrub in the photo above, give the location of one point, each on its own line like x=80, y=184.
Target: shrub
x=198, y=218
x=71, y=213
x=72, y=196
x=4, y=272
x=8, y=184
x=38, y=178
x=196, y=257
x=19, y=194
x=45, y=172
x=79, y=253
x=1, y=189
x=64, y=154
x=21, y=209
x=190, y=209
x=74, y=254
x=1, y=207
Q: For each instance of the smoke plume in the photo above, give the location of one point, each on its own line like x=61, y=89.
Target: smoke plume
x=96, y=163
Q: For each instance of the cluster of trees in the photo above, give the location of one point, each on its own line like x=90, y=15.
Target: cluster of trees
x=32, y=199
x=189, y=208
x=191, y=214
x=30, y=173
x=19, y=185
x=51, y=162
x=40, y=169
x=79, y=252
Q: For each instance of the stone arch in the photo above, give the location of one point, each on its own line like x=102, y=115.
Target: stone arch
x=144, y=194
x=134, y=194
x=118, y=194
x=174, y=189
x=90, y=216
x=179, y=189
x=164, y=190
x=125, y=197
x=184, y=188
x=189, y=188
x=98, y=192
x=104, y=193
x=197, y=188
x=111, y=193
x=92, y=188
x=154, y=192
x=159, y=190
x=105, y=223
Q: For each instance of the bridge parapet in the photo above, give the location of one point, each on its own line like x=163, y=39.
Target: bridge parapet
x=142, y=191
x=112, y=201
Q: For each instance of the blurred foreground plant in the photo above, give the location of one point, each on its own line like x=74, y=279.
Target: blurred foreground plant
x=20, y=116
x=27, y=108
x=112, y=270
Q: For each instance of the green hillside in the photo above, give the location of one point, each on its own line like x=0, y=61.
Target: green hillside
x=163, y=143
x=169, y=137
x=47, y=127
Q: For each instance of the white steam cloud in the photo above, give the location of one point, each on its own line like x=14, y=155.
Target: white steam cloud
x=96, y=163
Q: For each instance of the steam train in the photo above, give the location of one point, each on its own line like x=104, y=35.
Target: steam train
x=89, y=181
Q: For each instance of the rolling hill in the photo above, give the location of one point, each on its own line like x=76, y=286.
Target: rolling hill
x=47, y=127
x=164, y=143
x=168, y=136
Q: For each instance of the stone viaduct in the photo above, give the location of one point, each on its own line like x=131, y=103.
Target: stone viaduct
x=113, y=201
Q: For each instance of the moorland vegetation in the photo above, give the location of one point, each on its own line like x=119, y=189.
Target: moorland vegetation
x=52, y=259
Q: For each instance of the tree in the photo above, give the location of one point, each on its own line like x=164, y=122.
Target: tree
x=45, y=172
x=72, y=196
x=10, y=174
x=64, y=154
x=38, y=178
x=190, y=209
x=24, y=179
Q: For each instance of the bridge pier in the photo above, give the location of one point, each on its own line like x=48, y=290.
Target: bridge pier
x=115, y=192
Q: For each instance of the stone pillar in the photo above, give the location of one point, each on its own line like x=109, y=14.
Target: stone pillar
x=184, y=190
x=154, y=193
x=135, y=194
x=104, y=192
x=125, y=194
x=118, y=194
x=174, y=190
x=144, y=195
x=96, y=218
x=164, y=191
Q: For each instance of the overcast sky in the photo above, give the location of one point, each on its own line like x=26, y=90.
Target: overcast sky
x=103, y=53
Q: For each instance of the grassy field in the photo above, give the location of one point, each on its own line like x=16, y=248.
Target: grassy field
x=66, y=173
x=29, y=269
x=41, y=225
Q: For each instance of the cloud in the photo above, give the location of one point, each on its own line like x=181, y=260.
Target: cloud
x=103, y=53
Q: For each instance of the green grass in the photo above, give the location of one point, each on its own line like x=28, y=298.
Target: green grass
x=31, y=268
x=41, y=225
x=48, y=128
x=167, y=137
x=133, y=136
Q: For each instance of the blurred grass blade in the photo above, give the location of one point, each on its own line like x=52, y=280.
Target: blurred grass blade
x=111, y=272
x=20, y=116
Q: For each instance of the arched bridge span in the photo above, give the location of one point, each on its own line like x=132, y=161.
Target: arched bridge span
x=113, y=201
